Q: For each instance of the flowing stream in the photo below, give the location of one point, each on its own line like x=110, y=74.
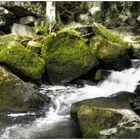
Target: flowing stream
x=56, y=122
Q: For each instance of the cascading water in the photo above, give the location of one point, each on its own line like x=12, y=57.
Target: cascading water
x=57, y=122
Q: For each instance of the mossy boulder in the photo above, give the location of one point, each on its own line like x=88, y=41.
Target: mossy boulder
x=16, y=94
x=106, y=117
x=92, y=120
x=110, y=55
x=22, y=61
x=101, y=30
x=67, y=56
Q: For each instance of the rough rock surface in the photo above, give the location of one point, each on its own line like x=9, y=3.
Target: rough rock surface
x=15, y=94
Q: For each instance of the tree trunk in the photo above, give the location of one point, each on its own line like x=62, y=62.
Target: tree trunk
x=51, y=14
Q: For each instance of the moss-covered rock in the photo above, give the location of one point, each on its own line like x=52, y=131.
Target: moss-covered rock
x=92, y=120
x=110, y=55
x=67, y=56
x=98, y=29
x=22, y=61
x=17, y=95
x=106, y=117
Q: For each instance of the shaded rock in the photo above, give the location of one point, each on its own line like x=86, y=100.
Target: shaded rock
x=135, y=101
x=17, y=95
x=22, y=9
x=110, y=55
x=21, y=61
x=6, y=20
x=120, y=13
x=67, y=56
x=106, y=117
x=99, y=75
x=137, y=90
x=136, y=53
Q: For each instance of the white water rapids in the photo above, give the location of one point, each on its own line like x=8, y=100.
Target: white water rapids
x=57, y=122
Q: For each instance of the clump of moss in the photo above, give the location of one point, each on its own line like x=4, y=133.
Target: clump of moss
x=110, y=55
x=21, y=60
x=67, y=56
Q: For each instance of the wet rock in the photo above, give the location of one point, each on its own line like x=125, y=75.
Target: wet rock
x=16, y=94
x=137, y=90
x=106, y=117
x=67, y=56
x=135, y=101
x=118, y=101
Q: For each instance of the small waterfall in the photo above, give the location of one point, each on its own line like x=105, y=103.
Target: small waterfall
x=57, y=122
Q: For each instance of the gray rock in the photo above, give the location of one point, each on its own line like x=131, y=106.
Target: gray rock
x=23, y=30
x=28, y=20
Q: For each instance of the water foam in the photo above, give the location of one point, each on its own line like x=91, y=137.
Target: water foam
x=62, y=98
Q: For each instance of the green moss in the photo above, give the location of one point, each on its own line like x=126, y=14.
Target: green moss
x=92, y=120
x=98, y=29
x=5, y=39
x=34, y=46
x=104, y=49
x=21, y=60
x=67, y=56
x=99, y=74
x=110, y=55
x=15, y=94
